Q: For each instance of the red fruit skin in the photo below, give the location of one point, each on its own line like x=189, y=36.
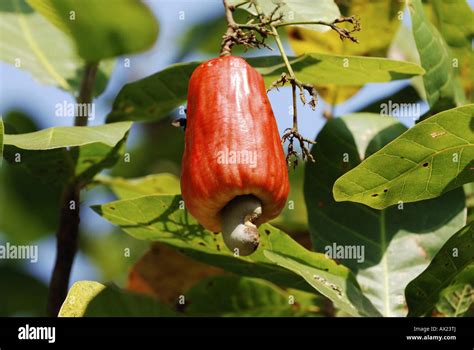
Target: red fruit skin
x=228, y=108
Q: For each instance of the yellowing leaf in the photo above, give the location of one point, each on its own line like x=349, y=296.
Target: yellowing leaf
x=379, y=20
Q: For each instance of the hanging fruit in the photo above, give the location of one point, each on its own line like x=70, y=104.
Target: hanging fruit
x=234, y=175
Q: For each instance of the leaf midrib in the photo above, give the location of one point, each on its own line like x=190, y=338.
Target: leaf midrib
x=404, y=174
x=446, y=283
x=37, y=50
x=53, y=131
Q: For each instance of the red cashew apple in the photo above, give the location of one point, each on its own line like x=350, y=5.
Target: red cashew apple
x=234, y=175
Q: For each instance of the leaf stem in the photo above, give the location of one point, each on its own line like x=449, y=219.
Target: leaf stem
x=68, y=231
x=295, y=111
x=282, y=52
x=228, y=42
x=245, y=34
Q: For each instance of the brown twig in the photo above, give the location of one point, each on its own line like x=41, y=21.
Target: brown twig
x=266, y=25
x=68, y=231
x=291, y=134
x=343, y=32
x=246, y=34
x=227, y=39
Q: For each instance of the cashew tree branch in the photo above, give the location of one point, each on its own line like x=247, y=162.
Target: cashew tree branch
x=67, y=235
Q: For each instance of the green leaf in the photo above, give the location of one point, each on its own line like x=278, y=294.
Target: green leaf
x=403, y=97
x=106, y=252
x=30, y=43
x=345, y=296
x=385, y=249
x=21, y=294
x=293, y=218
x=457, y=301
x=455, y=22
x=28, y=210
x=154, y=97
x=433, y=157
x=334, y=69
x=456, y=25
x=92, y=299
x=435, y=58
x=18, y=122
x=32, y=208
x=237, y=296
x=379, y=20
x=152, y=184
x=455, y=259
x=65, y=136
x=99, y=29
x=297, y=11
x=148, y=154
x=59, y=154
x=164, y=219
x=403, y=47
x=79, y=297
x=469, y=191
x=206, y=36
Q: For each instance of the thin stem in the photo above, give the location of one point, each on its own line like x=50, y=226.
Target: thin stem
x=227, y=43
x=67, y=235
x=343, y=33
x=244, y=34
x=295, y=116
x=291, y=73
x=284, y=24
x=283, y=53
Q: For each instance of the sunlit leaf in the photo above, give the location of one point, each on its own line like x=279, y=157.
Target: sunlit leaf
x=61, y=153
x=439, y=79
x=236, y=296
x=456, y=25
x=30, y=43
x=379, y=20
x=296, y=11
x=433, y=157
x=163, y=219
x=152, y=184
x=99, y=29
x=386, y=249
x=92, y=299
x=154, y=97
